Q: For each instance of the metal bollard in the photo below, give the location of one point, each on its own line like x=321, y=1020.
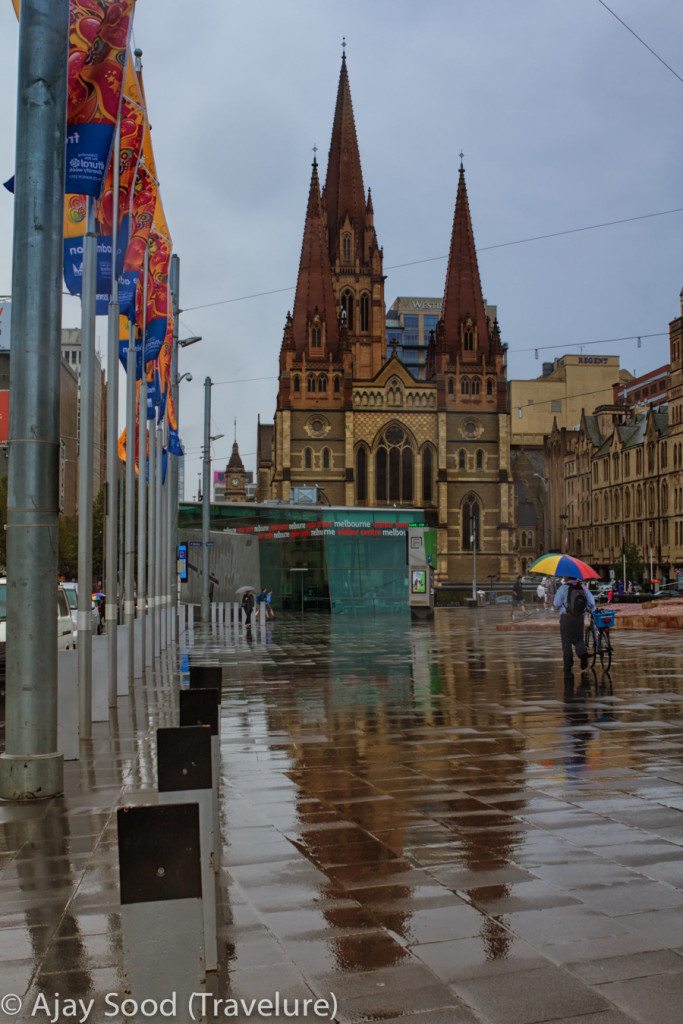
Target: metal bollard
x=161, y=901
x=200, y=707
x=185, y=775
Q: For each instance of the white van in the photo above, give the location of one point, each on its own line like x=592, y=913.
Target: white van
x=71, y=591
x=65, y=637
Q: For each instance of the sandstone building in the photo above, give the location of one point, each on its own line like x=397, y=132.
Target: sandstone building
x=351, y=417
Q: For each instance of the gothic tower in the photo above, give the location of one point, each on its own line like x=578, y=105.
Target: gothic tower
x=235, y=482
x=355, y=257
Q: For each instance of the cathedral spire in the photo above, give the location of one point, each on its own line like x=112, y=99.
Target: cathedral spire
x=314, y=304
x=465, y=326
x=344, y=191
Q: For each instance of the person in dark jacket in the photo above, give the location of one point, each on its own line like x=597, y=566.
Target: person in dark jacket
x=248, y=606
x=572, y=600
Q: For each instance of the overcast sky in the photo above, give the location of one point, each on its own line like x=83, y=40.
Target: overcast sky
x=564, y=118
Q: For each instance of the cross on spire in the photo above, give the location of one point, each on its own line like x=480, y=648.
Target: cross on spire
x=343, y=46
x=461, y=159
x=315, y=156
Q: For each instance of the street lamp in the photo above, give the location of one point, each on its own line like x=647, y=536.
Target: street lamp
x=183, y=376
x=184, y=342
x=546, y=520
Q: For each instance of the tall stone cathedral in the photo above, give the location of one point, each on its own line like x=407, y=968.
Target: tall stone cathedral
x=352, y=419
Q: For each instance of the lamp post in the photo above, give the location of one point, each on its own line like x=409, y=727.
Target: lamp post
x=564, y=518
x=546, y=520
x=206, y=499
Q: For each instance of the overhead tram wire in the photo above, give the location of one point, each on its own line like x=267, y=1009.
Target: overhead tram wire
x=434, y=259
x=642, y=41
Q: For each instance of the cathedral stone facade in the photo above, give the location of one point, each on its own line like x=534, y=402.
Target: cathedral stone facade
x=351, y=418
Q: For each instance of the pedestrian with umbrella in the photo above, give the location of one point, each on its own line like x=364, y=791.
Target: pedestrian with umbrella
x=247, y=602
x=572, y=600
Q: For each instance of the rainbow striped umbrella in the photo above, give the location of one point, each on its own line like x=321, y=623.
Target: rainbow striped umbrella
x=563, y=565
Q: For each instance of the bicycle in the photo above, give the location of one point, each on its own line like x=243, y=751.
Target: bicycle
x=598, y=642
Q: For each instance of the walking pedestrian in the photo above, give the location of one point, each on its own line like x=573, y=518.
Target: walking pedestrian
x=572, y=600
x=260, y=601
x=518, y=596
x=541, y=593
x=270, y=614
x=248, y=606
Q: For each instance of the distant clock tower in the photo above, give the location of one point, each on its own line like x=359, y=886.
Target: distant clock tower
x=235, y=485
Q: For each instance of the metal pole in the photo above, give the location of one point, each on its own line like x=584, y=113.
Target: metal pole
x=142, y=488
x=113, y=578
x=163, y=530
x=119, y=541
x=85, y=471
x=474, y=558
x=157, y=543
x=31, y=765
x=151, y=529
x=161, y=534
x=173, y=492
x=206, y=501
x=129, y=555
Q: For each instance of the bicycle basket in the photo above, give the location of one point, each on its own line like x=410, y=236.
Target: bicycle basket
x=604, y=620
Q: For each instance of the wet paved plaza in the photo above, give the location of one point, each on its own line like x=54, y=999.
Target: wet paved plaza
x=424, y=820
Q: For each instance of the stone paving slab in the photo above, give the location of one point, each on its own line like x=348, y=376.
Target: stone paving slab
x=426, y=821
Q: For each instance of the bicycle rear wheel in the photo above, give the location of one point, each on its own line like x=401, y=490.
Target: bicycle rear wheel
x=605, y=649
x=591, y=648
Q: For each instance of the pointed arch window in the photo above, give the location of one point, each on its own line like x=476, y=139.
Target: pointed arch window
x=337, y=385
x=476, y=385
x=462, y=459
x=346, y=247
x=365, y=312
x=322, y=382
x=465, y=386
x=451, y=387
x=471, y=521
x=479, y=459
x=428, y=474
x=310, y=383
x=394, y=465
x=308, y=458
x=347, y=308
x=489, y=386
x=468, y=340
x=326, y=458
x=316, y=337
x=361, y=474
x=296, y=383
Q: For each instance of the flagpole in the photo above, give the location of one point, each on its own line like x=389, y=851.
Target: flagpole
x=142, y=486
x=151, y=528
x=173, y=479
x=129, y=554
x=85, y=473
x=157, y=540
x=163, y=527
x=31, y=766
x=111, y=610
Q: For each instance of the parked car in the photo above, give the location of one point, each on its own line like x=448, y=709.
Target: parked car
x=71, y=591
x=65, y=638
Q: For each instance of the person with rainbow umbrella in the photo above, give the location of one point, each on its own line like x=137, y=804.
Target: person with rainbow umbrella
x=572, y=600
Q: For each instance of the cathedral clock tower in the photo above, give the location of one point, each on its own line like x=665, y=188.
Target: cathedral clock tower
x=235, y=485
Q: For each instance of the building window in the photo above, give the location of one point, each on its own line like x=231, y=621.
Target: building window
x=322, y=382
x=665, y=498
x=665, y=531
x=347, y=309
x=665, y=455
x=337, y=385
x=361, y=474
x=428, y=474
x=627, y=464
x=346, y=247
x=462, y=459
x=468, y=340
x=489, y=387
x=365, y=312
x=451, y=387
x=476, y=385
x=627, y=503
x=479, y=459
x=556, y=405
x=651, y=457
x=465, y=386
x=639, y=501
x=296, y=384
x=326, y=458
x=394, y=463
x=471, y=531
x=639, y=462
x=310, y=383
x=308, y=458
x=316, y=337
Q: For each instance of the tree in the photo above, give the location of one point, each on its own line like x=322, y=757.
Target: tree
x=98, y=514
x=634, y=565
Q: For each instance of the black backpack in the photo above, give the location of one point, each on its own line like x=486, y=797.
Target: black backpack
x=576, y=601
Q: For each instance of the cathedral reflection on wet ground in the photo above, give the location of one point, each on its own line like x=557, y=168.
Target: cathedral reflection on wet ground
x=426, y=820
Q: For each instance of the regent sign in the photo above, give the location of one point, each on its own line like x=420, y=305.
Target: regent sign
x=594, y=360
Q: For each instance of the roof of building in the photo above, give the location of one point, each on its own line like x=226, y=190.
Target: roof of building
x=463, y=296
x=235, y=462
x=344, y=191
x=314, y=291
